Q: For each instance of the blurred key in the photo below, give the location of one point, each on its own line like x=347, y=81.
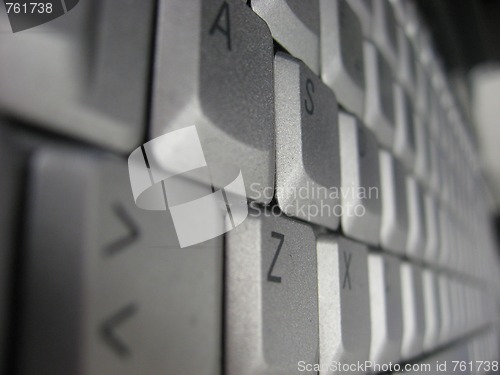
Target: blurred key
x=422, y=164
x=379, y=99
x=423, y=92
x=307, y=144
x=407, y=69
x=413, y=310
x=432, y=229
x=342, y=62
x=364, y=11
x=457, y=308
x=108, y=290
x=445, y=248
x=295, y=25
x=385, y=308
x=214, y=70
x=417, y=231
x=360, y=178
x=446, y=310
x=385, y=30
x=394, y=225
x=412, y=22
x=64, y=78
x=344, y=302
x=434, y=176
x=404, y=134
x=271, y=296
x=432, y=309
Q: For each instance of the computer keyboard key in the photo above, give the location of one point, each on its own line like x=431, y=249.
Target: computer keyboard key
x=364, y=11
x=423, y=92
x=344, y=302
x=445, y=238
x=399, y=7
x=431, y=253
x=417, y=231
x=404, y=134
x=385, y=308
x=384, y=31
x=360, y=178
x=295, y=25
x=432, y=309
x=407, y=69
x=379, y=98
x=342, y=62
x=307, y=144
x=271, y=296
x=434, y=172
x=445, y=331
x=82, y=75
x=394, y=224
x=214, y=70
x=413, y=311
x=422, y=161
x=107, y=289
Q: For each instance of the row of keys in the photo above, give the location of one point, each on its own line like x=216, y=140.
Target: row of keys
x=371, y=305
x=386, y=109
x=184, y=94
x=378, y=202
x=289, y=297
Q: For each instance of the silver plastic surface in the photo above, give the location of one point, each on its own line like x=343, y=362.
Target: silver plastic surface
x=214, y=70
x=271, y=296
x=344, y=302
x=108, y=290
x=307, y=144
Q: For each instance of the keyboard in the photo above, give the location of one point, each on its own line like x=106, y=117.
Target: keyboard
x=231, y=187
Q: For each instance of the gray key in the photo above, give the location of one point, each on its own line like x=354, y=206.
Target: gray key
x=413, y=310
x=384, y=31
x=386, y=309
x=432, y=309
x=446, y=309
x=214, y=69
x=432, y=229
x=295, y=25
x=342, y=61
x=84, y=74
x=360, y=177
x=394, y=224
x=422, y=166
x=417, y=232
x=344, y=302
x=364, y=11
x=399, y=10
x=108, y=289
x=271, y=296
x=307, y=144
x=379, y=99
x=445, y=238
x=404, y=133
x=423, y=92
x=406, y=71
